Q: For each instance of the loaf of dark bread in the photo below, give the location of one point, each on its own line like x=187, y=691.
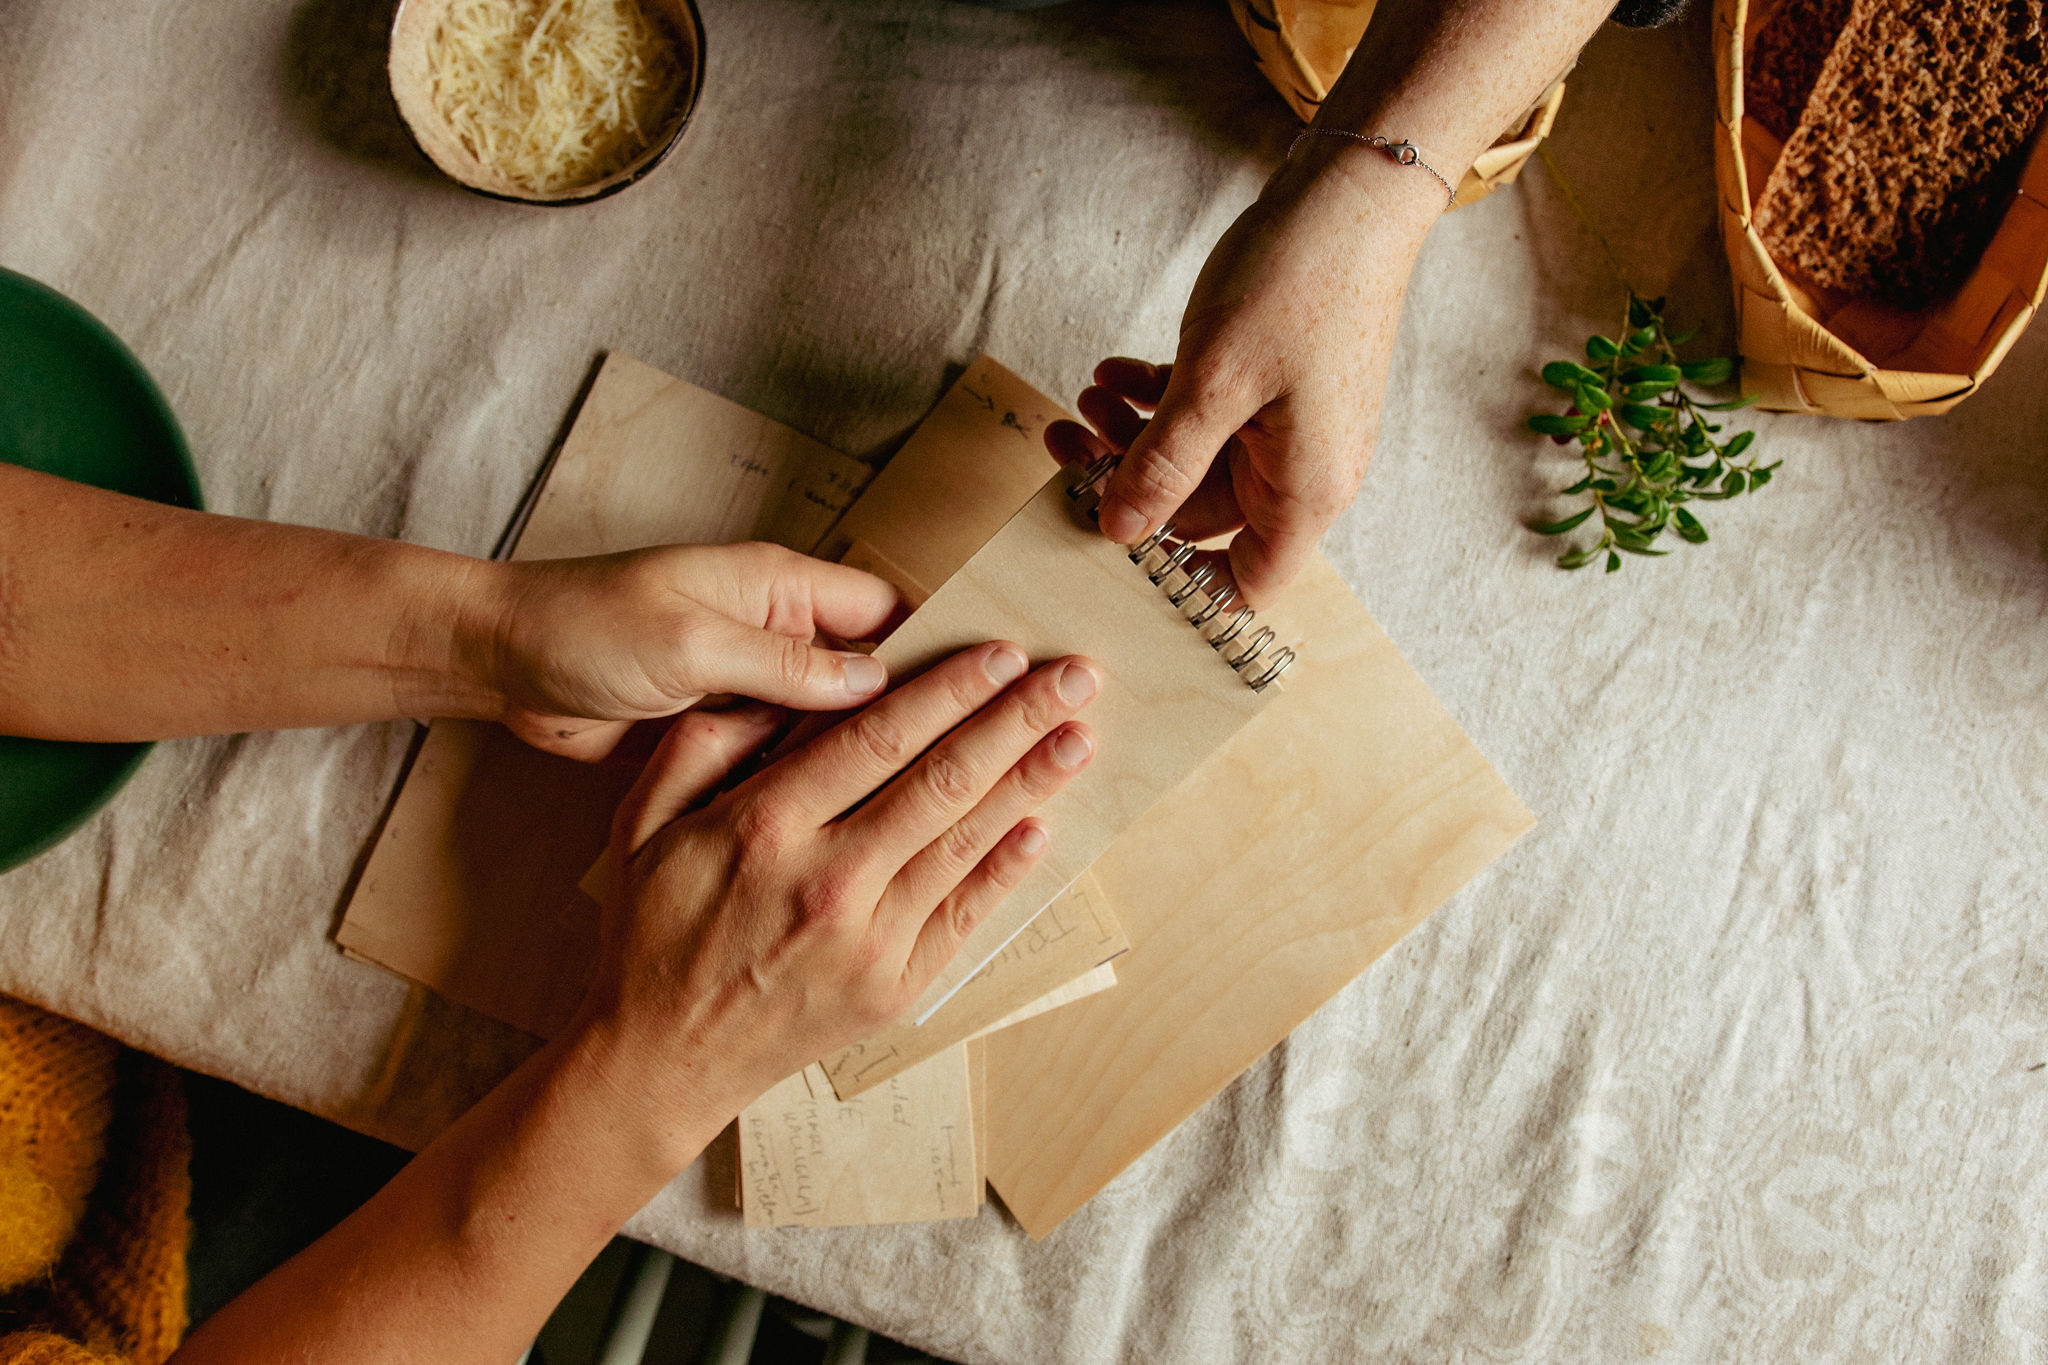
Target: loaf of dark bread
x=1786, y=58
x=1904, y=157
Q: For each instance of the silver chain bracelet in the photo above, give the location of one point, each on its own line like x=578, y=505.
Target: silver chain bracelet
x=1404, y=153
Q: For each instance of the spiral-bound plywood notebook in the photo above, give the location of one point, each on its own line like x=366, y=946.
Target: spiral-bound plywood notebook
x=1293, y=856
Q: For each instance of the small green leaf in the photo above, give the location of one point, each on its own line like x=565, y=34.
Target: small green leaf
x=1689, y=527
x=1600, y=348
x=1577, y=559
x=1687, y=335
x=1604, y=485
x=1641, y=416
x=1553, y=424
x=1643, y=550
x=1759, y=477
x=1638, y=340
x=1591, y=399
x=1636, y=393
x=1716, y=371
x=1558, y=528
x=1613, y=561
x=1567, y=375
x=1661, y=465
x=1737, y=443
x=1668, y=374
x=1643, y=312
x=1734, y=483
x=1581, y=486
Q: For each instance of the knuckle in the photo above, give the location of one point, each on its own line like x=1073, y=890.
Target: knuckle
x=957, y=848
x=760, y=826
x=966, y=690
x=947, y=779
x=1160, y=477
x=760, y=558
x=966, y=911
x=876, y=736
x=1038, y=779
x=827, y=895
x=1322, y=493
x=1040, y=708
x=793, y=663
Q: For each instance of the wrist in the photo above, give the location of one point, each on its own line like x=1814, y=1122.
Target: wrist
x=665, y=1104
x=1364, y=185
x=448, y=651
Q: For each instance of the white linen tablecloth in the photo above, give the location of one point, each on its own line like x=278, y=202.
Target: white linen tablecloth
x=1737, y=1056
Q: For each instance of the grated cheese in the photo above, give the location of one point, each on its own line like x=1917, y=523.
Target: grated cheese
x=553, y=94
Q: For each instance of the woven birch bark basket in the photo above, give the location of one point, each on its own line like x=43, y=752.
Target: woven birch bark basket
x=1303, y=45
x=1809, y=349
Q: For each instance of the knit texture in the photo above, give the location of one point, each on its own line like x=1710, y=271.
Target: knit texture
x=94, y=1190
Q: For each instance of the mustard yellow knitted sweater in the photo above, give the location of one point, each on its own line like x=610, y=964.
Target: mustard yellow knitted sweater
x=94, y=1188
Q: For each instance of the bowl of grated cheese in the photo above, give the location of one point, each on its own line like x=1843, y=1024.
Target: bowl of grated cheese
x=546, y=101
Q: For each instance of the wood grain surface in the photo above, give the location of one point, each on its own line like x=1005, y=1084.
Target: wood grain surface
x=471, y=886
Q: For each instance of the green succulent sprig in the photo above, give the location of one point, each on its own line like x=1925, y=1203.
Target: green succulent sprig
x=1648, y=445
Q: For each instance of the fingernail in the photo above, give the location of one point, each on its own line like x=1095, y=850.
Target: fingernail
x=1032, y=841
x=1077, y=683
x=861, y=674
x=1122, y=524
x=1070, y=748
x=1004, y=665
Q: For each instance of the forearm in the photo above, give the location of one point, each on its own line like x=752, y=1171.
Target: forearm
x=464, y=1254
x=122, y=619
x=1453, y=75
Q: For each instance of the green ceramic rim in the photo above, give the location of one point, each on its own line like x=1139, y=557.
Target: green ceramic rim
x=76, y=403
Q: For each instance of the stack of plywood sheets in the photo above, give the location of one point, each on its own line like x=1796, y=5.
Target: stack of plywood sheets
x=1245, y=854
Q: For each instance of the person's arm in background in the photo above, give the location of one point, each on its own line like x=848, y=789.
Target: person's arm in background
x=792, y=915
x=1267, y=417
x=122, y=619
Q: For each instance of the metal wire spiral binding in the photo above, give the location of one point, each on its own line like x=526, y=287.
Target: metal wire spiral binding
x=1255, y=648
x=1197, y=577
x=1250, y=660
x=1182, y=553
x=1151, y=543
x=1273, y=671
x=1219, y=602
x=1245, y=615
x=1092, y=477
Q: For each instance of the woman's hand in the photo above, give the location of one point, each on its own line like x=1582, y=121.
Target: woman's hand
x=581, y=648
x=747, y=936
x=809, y=905
x=122, y=619
x=1266, y=419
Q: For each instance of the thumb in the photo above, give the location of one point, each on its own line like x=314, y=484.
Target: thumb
x=1168, y=458
x=761, y=664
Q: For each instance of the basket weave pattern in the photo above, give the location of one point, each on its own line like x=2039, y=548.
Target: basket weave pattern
x=1791, y=338
x=1302, y=46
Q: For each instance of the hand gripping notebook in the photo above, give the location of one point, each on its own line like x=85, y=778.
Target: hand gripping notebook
x=1296, y=854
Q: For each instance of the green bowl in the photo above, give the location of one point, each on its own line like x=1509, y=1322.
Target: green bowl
x=76, y=403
